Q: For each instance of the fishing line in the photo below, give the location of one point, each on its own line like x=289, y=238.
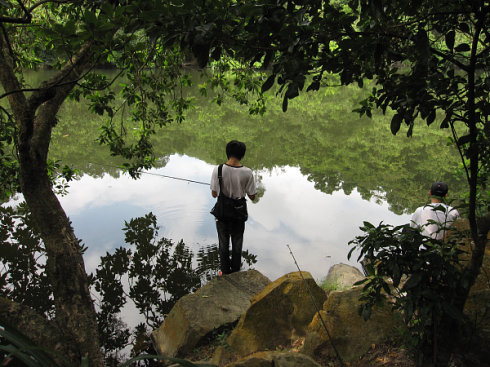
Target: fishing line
x=156, y=174
x=317, y=309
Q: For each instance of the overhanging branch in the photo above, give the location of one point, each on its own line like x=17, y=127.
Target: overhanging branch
x=64, y=80
x=23, y=20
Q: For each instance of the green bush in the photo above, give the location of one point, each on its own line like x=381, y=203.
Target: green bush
x=420, y=276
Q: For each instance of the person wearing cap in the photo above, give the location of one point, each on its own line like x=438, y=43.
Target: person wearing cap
x=434, y=218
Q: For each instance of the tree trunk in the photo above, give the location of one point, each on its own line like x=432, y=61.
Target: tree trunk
x=65, y=266
x=34, y=118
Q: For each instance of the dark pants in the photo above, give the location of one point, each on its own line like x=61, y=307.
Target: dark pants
x=227, y=230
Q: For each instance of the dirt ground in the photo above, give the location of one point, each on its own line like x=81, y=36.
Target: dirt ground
x=377, y=356
x=383, y=355
x=390, y=356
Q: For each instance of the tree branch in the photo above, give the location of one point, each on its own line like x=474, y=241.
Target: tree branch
x=24, y=20
x=49, y=1
x=6, y=94
x=451, y=60
x=7, y=41
x=63, y=81
x=9, y=80
x=50, y=96
x=6, y=112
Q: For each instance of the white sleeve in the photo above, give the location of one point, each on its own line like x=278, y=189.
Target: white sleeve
x=214, y=180
x=415, y=220
x=250, y=187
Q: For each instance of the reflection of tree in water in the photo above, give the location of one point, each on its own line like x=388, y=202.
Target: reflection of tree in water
x=151, y=272
x=333, y=147
x=158, y=272
x=208, y=261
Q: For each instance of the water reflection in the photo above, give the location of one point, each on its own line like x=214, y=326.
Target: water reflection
x=316, y=225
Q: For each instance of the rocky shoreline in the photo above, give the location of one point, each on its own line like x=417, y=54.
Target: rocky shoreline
x=244, y=320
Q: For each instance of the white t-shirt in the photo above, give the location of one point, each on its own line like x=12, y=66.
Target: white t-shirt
x=442, y=214
x=237, y=181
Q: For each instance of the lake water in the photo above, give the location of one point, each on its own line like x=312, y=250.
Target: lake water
x=317, y=226
x=320, y=168
x=321, y=171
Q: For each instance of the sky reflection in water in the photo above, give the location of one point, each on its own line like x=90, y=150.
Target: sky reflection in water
x=316, y=225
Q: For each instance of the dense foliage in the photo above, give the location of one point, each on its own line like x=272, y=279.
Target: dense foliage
x=23, y=275
x=418, y=275
x=149, y=271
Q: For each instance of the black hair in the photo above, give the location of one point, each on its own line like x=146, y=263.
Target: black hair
x=235, y=149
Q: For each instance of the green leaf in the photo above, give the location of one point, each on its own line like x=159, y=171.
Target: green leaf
x=315, y=85
x=462, y=47
x=292, y=91
x=268, y=83
x=410, y=131
x=445, y=122
x=368, y=225
x=90, y=17
x=464, y=139
x=396, y=122
x=350, y=253
x=431, y=117
x=362, y=281
x=464, y=27
x=23, y=357
x=25, y=347
x=450, y=39
x=285, y=104
x=366, y=313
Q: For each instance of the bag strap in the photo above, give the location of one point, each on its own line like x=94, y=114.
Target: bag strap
x=220, y=178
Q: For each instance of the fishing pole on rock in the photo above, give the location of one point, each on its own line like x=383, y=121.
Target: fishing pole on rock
x=157, y=174
x=317, y=309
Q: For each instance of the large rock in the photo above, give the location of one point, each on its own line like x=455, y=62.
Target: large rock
x=277, y=315
x=221, y=301
x=351, y=335
x=342, y=276
x=275, y=359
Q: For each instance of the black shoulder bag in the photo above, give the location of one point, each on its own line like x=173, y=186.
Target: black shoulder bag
x=227, y=208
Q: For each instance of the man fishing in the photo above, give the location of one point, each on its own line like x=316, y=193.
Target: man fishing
x=237, y=181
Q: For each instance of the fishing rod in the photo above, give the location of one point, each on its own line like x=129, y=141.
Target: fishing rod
x=317, y=309
x=157, y=174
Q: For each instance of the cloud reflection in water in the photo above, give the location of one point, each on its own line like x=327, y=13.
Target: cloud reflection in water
x=316, y=225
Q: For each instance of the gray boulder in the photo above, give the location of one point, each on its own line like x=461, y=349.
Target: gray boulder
x=219, y=302
x=277, y=316
x=351, y=335
x=342, y=276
